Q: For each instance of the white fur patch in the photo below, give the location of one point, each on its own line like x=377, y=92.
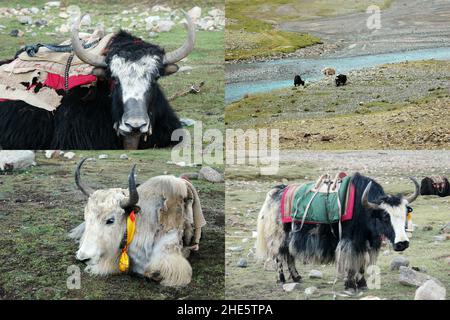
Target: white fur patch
x=398, y=219
x=135, y=76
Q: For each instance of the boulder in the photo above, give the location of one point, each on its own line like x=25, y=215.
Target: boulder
x=315, y=274
x=165, y=25
x=209, y=174
x=430, y=290
x=409, y=277
x=13, y=160
x=195, y=13
x=25, y=19
x=289, y=287
x=242, y=263
x=123, y=156
x=310, y=291
x=399, y=261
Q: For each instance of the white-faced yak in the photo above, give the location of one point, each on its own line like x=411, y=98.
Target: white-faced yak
x=126, y=109
x=369, y=215
x=147, y=230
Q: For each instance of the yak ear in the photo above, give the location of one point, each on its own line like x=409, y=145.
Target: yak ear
x=170, y=69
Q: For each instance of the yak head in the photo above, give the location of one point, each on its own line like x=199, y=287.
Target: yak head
x=134, y=66
x=390, y=215
x=105, y=218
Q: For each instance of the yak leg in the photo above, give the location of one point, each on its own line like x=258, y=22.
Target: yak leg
x=292, y=269
x=350, y=282
x=361, y=282
x=281, y=276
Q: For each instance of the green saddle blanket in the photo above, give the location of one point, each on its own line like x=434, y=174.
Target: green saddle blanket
x=321, y=207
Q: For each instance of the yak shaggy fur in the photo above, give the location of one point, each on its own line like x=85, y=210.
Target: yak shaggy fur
x=164, y=226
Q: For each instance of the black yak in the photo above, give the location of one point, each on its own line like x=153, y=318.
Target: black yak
x=127, y=108
x=353, y=244
x=341, y=80
x=298, y=81
x=436, y=185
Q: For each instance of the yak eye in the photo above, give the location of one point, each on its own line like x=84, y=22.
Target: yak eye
x=110, y=221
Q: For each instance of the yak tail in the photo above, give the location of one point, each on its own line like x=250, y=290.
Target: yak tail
x=269, y=229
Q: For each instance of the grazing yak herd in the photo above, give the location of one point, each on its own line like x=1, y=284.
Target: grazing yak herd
x=340, y=80
x=126, y=108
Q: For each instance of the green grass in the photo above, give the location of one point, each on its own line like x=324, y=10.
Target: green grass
x=252, y=32
x=40, y=205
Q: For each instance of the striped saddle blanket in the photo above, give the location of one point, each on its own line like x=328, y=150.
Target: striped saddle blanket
x=324, y=201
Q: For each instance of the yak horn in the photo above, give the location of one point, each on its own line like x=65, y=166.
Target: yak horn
x=365, y=199
x=83, y=54
x=416, y=193
x=186, y=48
x=133, y=198
x=80, y=184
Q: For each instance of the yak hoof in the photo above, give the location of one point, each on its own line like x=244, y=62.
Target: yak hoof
x=362, y=284
x=282, y=279
x=297, y=278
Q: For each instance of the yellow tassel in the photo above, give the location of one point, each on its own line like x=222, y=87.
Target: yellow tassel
x=124, y=262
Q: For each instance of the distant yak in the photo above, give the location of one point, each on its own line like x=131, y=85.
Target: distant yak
x=298, y=81
x=341, y=80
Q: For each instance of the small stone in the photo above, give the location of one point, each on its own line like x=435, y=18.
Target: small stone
x=242, y=263
x=63, y=15
x=289, y=287
x=13, y=160
x=34, y=10
x=53, y=4
x=165, y=25
x=235, y=249
x=40, y=22
x=427, y=227
x=440, y=238
x=209, y=174
x=25, y=19
x=103, y=156
x=124, y=156
x=430, y=290
x=409, y=277
x=245, y=240
x=370, y=298
x=69, y=155
x=399, y=261
x=195, y=13
x=310, y=291
x=315, y=274
x=185, y=69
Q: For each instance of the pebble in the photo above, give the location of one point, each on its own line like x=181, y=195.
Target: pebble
x=315, y=274
x=242, y=263
x=399, y=261
x=103, y=156
x=124, y=156
x=235, y=249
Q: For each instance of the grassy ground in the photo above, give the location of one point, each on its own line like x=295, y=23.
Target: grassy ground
x=206, y=59
x=246, y=191
x=251, y=30
x=395, y=106
x=38, y=207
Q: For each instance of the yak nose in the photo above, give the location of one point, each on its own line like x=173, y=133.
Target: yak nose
x=136, y=123
x=82, y=258
x=400, y=246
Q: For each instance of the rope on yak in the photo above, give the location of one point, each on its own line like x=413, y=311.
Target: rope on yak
x=31, y=50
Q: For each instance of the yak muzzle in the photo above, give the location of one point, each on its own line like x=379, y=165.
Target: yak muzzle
x=401, y=246
x=135, y=118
